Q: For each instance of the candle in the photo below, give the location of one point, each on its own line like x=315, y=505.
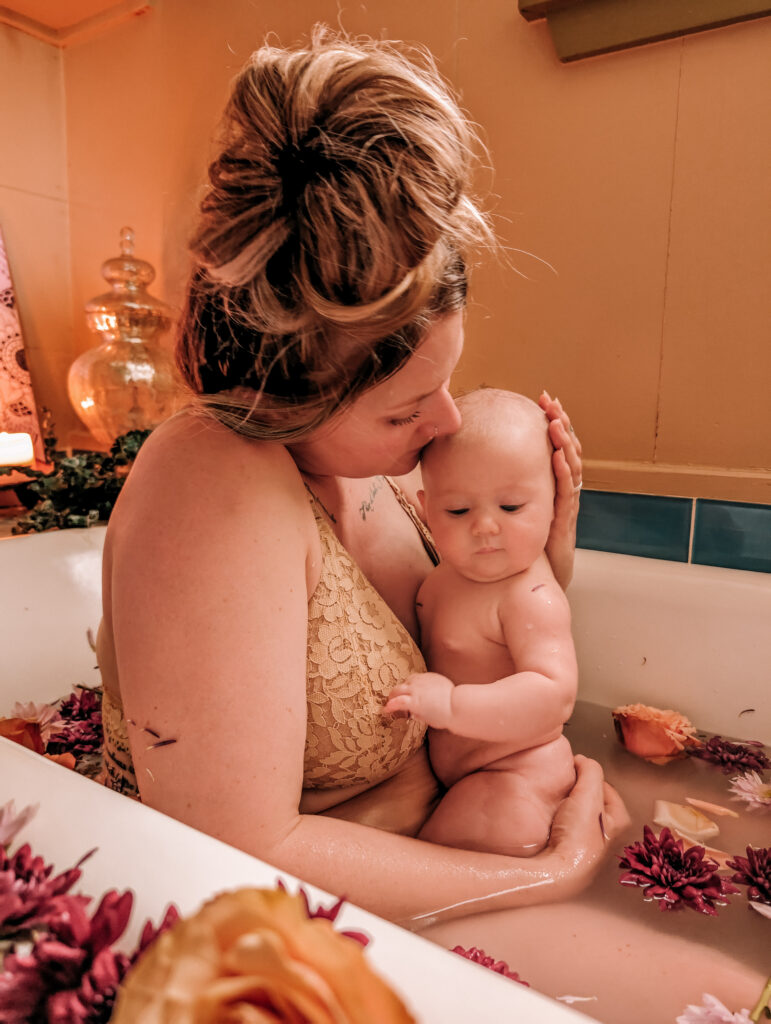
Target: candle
x=16, y=450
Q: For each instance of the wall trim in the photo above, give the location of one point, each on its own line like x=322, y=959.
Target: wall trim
x=678, y=481
x=81, y=30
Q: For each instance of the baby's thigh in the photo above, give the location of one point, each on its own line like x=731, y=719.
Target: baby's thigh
x=546, y=772
x=493, y=811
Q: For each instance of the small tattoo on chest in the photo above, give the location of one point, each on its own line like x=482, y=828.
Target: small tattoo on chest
x=369, y=502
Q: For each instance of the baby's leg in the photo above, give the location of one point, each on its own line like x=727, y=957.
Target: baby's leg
x=508, y=806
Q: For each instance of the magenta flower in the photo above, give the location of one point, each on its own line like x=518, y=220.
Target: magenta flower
x=82, y=705
x=93, y=1000
x=675, y=876
x=82, y=732
x=754, y=871
x=478, y=956
x=150, y=933
x=71, y=975
x=328, y=913
x=732, y=757
x=28, y=894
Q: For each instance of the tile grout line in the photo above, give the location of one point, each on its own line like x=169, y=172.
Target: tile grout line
x=690, y=532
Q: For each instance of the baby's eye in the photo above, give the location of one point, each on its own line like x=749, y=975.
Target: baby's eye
x=405, y=419
x=511, y=508
x=456, y=511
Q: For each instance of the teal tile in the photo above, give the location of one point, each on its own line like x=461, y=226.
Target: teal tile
x=635, y=524
x=732, y=534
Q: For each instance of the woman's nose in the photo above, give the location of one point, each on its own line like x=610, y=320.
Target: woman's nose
x=443, y=416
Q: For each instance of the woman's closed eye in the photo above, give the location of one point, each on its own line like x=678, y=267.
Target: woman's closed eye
x=511, y=508
x=456, y=511
x=405, y=419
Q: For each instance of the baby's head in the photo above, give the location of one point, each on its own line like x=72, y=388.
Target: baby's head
x=488, y=490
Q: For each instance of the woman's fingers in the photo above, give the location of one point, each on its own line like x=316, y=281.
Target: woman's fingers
x=562, y=434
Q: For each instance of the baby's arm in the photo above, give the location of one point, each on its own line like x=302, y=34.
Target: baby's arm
x=525, y=708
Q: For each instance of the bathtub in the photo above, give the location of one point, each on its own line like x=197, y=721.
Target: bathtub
x=691, y=637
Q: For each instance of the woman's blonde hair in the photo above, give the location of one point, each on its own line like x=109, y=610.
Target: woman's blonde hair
x=337, y=225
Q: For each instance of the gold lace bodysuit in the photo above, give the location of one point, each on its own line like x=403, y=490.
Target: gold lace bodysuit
x=357, y=652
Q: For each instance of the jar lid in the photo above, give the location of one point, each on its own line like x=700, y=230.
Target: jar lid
x=128, y=310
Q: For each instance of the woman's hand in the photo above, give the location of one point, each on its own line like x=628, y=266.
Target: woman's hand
x=587, y=820
x=561, y=545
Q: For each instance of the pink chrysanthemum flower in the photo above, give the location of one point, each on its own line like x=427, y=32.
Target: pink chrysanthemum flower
x=12, y=823
x=71, y=975
x=46, y=717
x=28, y=894
x=753, y=790
x=478, y=956
x=674, y=876
x=81, y=733
x=712, y=1011
x=328, y=913
x=754, y=871
x=732, y=757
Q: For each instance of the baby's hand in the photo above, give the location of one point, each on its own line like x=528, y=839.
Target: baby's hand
x=426, y=696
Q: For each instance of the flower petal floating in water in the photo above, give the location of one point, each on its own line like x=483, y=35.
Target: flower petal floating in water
x=754, y=871
x=712, y=1011
x=705, y=805
x=11, y=823
x=692, y=823
x=732, y=757
x=652, y=733
x=478, y=956
x=751, y=788
x=762, y=908
x=674, y=876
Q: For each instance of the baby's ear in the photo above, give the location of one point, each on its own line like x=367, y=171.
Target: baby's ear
x=421, y=496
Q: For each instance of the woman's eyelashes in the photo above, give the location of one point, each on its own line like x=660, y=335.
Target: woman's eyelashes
x=406, y=419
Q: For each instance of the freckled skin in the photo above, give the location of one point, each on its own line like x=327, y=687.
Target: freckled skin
x=495, y=629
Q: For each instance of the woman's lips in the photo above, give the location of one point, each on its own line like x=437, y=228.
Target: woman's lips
x=487, y=551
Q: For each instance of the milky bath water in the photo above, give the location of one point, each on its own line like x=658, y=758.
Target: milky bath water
x=619, y=957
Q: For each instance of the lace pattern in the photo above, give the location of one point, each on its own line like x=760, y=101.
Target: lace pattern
x=357, y=652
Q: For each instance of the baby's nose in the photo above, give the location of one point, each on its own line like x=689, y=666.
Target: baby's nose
x=485, y=525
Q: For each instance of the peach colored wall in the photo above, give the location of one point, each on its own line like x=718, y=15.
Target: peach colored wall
x=34, y=210
x=641, y=177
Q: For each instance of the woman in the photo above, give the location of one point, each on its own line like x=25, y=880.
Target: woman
x=261, y=566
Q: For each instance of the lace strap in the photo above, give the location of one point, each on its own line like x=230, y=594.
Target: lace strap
x=420, y=526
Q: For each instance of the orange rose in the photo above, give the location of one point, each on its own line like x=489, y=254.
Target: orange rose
x=23, y=732
x=255, y=955
x=656, y=735
x=67, y=760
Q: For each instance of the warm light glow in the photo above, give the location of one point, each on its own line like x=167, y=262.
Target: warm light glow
x=86, y=403
x=16, y=450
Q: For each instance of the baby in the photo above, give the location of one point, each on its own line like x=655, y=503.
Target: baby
x=496, y=633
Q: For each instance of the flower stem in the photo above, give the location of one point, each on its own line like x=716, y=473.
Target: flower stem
x=764, y=1003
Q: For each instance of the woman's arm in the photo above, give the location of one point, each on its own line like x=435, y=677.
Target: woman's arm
x=561, y=545
x=213, y=549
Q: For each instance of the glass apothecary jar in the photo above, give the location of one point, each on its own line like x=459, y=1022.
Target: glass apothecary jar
x=128, y=382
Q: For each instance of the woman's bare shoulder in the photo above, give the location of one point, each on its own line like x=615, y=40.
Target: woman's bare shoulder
x=191, y=460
